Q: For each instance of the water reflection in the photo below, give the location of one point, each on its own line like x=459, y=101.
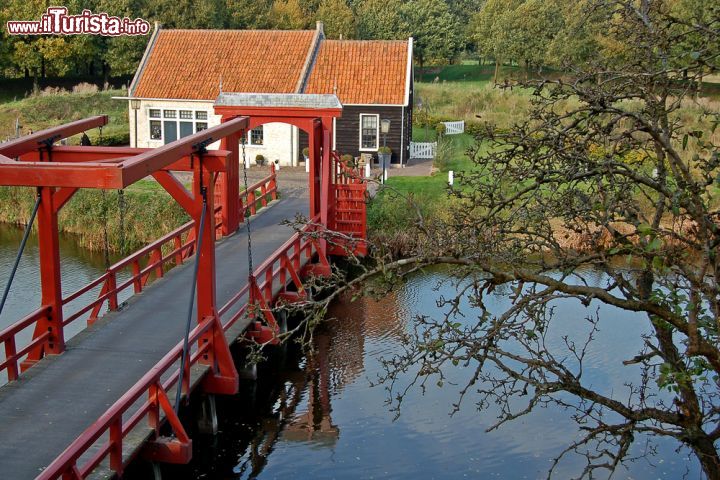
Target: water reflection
x=319, y=417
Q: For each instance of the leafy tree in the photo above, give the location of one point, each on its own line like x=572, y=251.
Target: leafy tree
x=287, y=15
x=248, y=14
x=378, y=19
x=490, y=29
x=338, y=18
x=535, y=24
x=605, y=174
x=435, y=29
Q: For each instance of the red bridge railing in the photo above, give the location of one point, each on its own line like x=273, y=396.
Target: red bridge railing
x=151, y=261
x=268, y=281
x=348, y=213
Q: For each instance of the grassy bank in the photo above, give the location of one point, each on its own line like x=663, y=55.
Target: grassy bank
x=149, y=213
x=56, y=106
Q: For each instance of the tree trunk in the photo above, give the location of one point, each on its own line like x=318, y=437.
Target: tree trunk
x=708, y=456
x=42, y=68
x=497, y=70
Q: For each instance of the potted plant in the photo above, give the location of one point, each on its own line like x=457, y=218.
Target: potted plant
x=306, y=153
x=348, y=160
x=260, y=160
x=384, y=155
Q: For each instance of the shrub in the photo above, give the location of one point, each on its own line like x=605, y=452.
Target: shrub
x=260, y=160
x=47, y=91
x=443, y=154
x=85, y=87
x=384, y=150
x=306, y=152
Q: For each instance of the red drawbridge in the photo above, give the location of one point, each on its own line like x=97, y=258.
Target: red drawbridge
x=87, y=406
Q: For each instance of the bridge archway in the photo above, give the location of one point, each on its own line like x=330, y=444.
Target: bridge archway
x=311, y=113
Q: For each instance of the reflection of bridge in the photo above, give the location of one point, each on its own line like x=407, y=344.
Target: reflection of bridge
x=101, y=398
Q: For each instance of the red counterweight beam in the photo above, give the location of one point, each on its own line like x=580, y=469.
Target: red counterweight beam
x=214, y=159
x=28, y=143
x=111, y=175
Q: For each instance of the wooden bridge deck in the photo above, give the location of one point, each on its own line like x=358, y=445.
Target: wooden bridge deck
x=55, y=401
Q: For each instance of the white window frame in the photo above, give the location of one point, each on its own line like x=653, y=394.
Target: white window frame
x=177, y=120
x=377, y=136
x=249, y=139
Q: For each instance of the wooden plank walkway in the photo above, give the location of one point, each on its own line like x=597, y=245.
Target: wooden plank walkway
x=55, y=401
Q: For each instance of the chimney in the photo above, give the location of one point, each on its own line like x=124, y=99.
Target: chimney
x=319, y=27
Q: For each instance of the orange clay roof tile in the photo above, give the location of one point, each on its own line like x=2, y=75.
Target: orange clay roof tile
x=361, y=71
x=189, y=64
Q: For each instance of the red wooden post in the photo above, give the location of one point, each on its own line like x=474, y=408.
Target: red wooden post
x=313, y=154
x=206, y=267
x=326, y=171
x=228, y=184
x=50, y=283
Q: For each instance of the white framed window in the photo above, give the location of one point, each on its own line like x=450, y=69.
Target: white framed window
x=170, y=124
x=155, y=130
x=369, y=131
x=256, y=136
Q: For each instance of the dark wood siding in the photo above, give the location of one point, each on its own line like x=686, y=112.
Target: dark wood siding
x=347, y=139
x=347, y=136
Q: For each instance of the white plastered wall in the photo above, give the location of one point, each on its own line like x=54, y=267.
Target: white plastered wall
x=280, y=141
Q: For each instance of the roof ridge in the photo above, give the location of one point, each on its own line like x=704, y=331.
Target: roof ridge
x=234, y=30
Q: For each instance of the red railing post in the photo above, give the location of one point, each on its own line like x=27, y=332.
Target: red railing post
x=252, y=202
x=10, y=352
x=137, y=280
x=116, y=445
x=112, y=289
x=273, y=181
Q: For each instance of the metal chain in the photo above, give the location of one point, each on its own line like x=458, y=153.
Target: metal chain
x=121, y=207
x=247, y=217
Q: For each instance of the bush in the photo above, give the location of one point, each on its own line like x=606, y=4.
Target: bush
x=85, y=87
x=306, y=152
x=384, y=150
x=443, y=154
x=260, y=160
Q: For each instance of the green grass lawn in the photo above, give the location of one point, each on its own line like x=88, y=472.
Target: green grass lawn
x=47, y=110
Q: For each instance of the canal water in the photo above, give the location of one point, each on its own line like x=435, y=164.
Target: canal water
x=320, y=417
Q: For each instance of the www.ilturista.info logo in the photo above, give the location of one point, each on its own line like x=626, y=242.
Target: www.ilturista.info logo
x=56, y=21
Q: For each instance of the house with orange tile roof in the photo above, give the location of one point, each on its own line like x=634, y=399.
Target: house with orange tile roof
x=183, y=72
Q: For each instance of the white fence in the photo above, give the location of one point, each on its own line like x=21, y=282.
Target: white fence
x=423, y=149
x=454, y=128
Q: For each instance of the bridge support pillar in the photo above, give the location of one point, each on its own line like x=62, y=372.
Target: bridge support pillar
x=50, y=283
x=228, y=184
